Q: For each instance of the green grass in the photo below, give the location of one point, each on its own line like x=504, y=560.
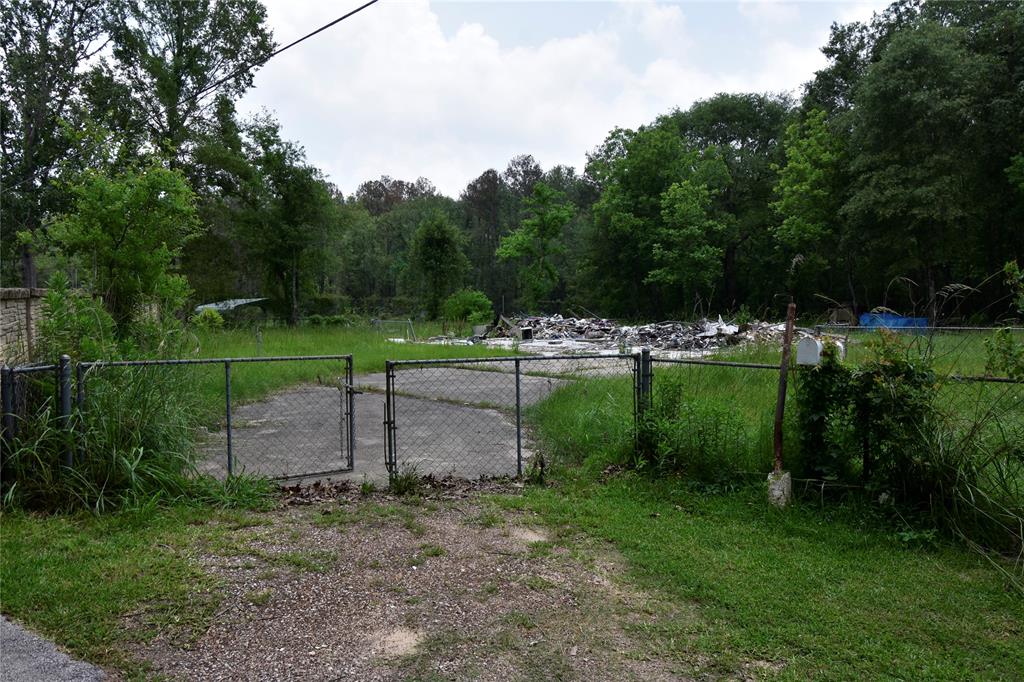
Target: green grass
x=833, y=598
x=253, y=381
x=83, y=579
x=960, y=353
x=833, y=591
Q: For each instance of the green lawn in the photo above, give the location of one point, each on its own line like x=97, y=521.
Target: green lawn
x=79, y=578
x=824, y=594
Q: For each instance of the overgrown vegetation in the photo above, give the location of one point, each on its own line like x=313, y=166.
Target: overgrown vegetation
x=891, y=167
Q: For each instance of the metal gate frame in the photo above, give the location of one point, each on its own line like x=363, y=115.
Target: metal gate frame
x=641, y=372
x=348, y=392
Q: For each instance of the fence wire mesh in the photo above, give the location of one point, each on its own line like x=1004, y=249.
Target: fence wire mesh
x=710, y=419
x=465, y=418
x=276, y=417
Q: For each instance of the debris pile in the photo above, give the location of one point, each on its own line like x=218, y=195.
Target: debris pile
x=600, y=333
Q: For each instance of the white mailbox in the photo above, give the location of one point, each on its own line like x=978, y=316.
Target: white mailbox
x=808, y=351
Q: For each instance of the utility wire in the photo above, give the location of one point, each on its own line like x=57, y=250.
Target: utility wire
x=225, y=79
x=241, y=70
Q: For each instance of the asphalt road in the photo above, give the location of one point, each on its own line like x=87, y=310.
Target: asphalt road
x=27, y=657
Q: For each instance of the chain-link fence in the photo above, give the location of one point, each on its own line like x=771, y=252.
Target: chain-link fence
x=952, y=350
x=31, y=390
x=710, y=419
x=464, y=418
x=282, y=417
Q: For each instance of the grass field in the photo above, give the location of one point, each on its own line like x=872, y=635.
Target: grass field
x=253, y=381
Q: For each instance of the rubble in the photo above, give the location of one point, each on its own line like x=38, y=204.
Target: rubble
x=591, y=333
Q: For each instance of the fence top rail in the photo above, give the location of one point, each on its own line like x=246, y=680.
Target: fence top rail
x=719, y=363
x=512, y=358
x=29, y=369
x=209, y=361
x=877, y=327
x=754, y=365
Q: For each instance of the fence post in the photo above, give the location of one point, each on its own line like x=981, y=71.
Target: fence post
x=519, y=424
x=351, y=397
x=646, y=377
x=390, y=452
x=64, y=398
x=7, y=400
x=227, y=414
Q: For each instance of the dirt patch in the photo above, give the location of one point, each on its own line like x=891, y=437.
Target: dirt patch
x=528, y=535
x=398, y=642
x=373, y=588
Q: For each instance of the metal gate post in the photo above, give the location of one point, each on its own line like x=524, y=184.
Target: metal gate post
x=519, y=425
x=7, y=400
x=227, y=413
x=390, y=450
x=350, y=396
x=64, y=399
x=80, y=407
x=646, y=377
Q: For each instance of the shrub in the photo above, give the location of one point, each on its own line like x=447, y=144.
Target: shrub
x=468, y=305
x=207, y=319
x=906, y=434
x=74, y=323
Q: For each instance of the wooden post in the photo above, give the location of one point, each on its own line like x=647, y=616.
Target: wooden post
x=780, y=405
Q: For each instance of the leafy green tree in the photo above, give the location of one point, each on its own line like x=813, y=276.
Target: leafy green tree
x=536, y=241
x=689, y=247
x=638, y=168
x=912, y=139
x=169, y=54
x=437, y=260
x=289, y=213
x=44, y=44
x=809, y=196
x=126, y=231
x=747, y=130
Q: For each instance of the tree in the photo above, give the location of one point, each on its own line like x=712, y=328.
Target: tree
x=809, y=195
x=289, y=213
x=484, y=201
x=126, y=231
x=912, y=154
x=170, y=53
x=747, y=130
x=535, y=242
x=688, y=249
x=381, y=196
x=44, y=44
x=437, y=260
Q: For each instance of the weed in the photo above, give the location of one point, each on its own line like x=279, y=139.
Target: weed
x=431, y=550
x=260, y=597
x=367, y=487
x=538, y=583
x=406, y=481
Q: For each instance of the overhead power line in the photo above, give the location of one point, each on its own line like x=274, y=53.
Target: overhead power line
x=243, y=69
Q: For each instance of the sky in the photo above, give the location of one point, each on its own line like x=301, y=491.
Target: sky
x=447, y=89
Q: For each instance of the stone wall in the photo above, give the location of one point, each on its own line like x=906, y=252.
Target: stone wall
x=20, y=310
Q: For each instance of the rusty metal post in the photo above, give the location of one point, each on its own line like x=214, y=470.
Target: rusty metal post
x=780, y=405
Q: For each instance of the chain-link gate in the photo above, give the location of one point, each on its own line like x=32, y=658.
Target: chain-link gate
x=296, y=421
x=464, y=418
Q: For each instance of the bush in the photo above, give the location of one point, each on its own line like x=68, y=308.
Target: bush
x=133, y=444
x=207, y=319
x=908, y=435
x=691, y=431
x=468, y=305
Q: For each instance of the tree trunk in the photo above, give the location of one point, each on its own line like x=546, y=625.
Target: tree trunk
x=28, y=268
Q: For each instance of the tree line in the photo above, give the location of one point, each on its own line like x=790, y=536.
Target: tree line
x=895, y=178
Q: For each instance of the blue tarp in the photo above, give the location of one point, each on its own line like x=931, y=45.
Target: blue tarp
x=891, y=321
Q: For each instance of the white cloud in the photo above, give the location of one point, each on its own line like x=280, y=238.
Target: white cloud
x=769, y=13
x=388, y=92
